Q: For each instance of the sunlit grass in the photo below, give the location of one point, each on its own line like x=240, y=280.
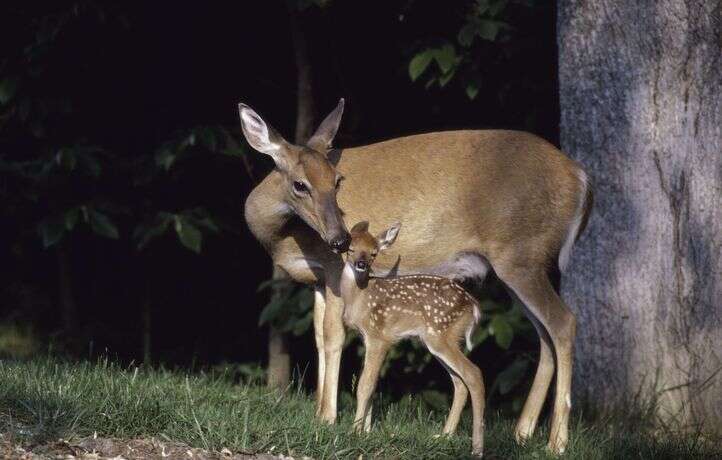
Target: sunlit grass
x=46, y=399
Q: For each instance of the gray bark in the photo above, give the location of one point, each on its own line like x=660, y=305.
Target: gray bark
x=278, y=374
x=641, y=109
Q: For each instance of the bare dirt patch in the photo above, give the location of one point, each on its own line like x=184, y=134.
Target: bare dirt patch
x=97, y=448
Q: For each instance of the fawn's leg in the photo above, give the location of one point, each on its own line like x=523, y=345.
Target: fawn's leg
x=536, y=291
x=537, y=395
x=451, y=355
x=334, y=335
x=374, y=358
x=460, y=395
x=319, y=305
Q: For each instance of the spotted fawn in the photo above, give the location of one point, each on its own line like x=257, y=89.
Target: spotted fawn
x=433, y=309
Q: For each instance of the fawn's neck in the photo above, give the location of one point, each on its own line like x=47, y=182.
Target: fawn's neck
x=352, y=284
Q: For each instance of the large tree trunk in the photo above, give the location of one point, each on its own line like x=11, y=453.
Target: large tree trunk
x=279, y=361
x=641, y=109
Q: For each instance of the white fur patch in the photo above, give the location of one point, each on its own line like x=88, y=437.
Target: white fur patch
x=472, y=327
x=257, y=132
x=566, y=251
x=464, y=265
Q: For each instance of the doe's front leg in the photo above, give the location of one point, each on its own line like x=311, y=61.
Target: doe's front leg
x=334, y=335
x=319, y=306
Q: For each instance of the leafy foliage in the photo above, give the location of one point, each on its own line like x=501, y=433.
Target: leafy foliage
x=290, y=308
x=465, y=58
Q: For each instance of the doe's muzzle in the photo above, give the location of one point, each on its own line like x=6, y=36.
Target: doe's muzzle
x=341, y=242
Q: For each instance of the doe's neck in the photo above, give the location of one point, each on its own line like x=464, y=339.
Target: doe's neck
x=266, y=210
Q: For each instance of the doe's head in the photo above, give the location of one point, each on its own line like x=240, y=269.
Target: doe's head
x=310, y=180
x=365, y=247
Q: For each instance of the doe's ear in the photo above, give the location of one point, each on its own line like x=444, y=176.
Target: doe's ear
x=360, y=227
x=261, y=136
x=323, y=137
x=388, y=236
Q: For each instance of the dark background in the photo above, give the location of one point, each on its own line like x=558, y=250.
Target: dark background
x=144, y=72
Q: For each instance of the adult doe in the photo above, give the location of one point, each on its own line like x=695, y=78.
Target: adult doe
x=471, y=200
x=431, y=308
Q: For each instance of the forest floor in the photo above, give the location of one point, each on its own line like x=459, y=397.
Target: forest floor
x=56, y=409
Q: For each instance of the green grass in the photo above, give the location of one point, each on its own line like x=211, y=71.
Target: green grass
x=46, y=399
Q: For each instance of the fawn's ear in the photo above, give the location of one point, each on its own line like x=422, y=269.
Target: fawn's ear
x=387, y=237
x=361, y=227
x=262, y=137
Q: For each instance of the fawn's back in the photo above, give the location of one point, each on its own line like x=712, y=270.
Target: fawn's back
x=414, y=305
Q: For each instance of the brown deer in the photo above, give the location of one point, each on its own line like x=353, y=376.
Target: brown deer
x=433, y=309
x=471, y=200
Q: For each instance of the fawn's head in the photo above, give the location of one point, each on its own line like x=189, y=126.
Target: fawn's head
x=310, y=180
x=365, y=247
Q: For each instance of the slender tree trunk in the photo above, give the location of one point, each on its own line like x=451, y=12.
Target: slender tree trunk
x=641, y=109
x=68, y=307
x=304, y=88
x=279, y=361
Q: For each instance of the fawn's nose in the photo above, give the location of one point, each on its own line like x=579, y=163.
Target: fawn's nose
x=341, y=243
x=361, y=265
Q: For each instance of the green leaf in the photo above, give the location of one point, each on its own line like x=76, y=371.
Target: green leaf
x=419, y=63
x=481, y=334
x=466, y=35
x=188, y=234
x=497, y=7
x=208, y=139
x=51, y=231
x=472, y=89
x=71, y=218
x=445, y=57
x=444, y=79
x=66, y=159
x=273, y=309
x=512, y=375
x=502, y=331
x=165, y=158
x=8, y=88
x=234, y=152
x=204, y=222
x=488, y=30
x=145, y=233
x=102, y=225
x=302, y=326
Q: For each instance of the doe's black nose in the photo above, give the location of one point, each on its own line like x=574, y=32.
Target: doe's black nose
x=341, y=242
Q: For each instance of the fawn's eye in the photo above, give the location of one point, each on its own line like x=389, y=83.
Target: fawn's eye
x=299, y=187
x=338, y=181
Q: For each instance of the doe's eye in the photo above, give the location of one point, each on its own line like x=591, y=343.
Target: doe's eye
x=299, y=187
